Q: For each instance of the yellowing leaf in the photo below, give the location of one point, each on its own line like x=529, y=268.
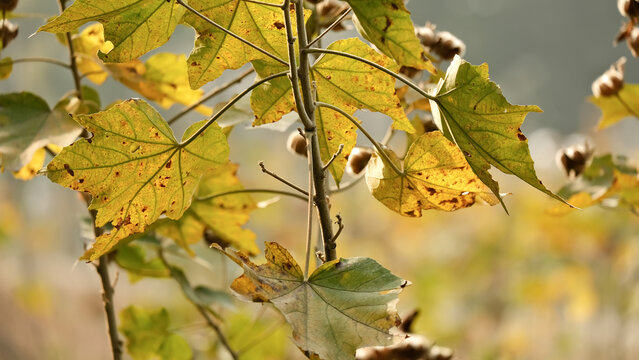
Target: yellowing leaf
x=273, y=99
x=224, y=215
x=135, y=169
x=345, y=304
x=472, y=112
x=346, y=83
x=27, y=124
x=619, y=106
x=148, y=335
x=162, y=79
x=134, y=27
x=435, y=176
x=87, y=44
x=387, y=24
x=30, y=170
x=216, y=51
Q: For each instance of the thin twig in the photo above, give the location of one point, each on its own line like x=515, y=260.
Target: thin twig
x=282, y=180
x=265, y=191
x=73, y=65
x=309, y=220
x=230, y=104
x=377, y=66
x=377, y=145
x=211, y=95
x=329, y=28
x=201, y=309
x=37, y=59
x=107, y=290
x=229, y=32
x=337, y=153
x=340, y=225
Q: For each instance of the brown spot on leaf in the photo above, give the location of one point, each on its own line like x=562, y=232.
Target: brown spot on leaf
x=521, y=135
x=168, y=164
x=68, y=169
x=389, y=22
x=279, y=25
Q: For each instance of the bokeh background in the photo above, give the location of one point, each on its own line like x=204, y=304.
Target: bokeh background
x=488, y=285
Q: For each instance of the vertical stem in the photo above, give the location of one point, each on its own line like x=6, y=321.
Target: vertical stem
x=109, y=309
x=319, y=174
x=74, y=66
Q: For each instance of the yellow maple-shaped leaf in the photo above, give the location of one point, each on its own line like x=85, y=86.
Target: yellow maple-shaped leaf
x=134, y=27
x=387, y=24
x=616, y=107
x=224, y=215
x=346, y=83
x=162, y=78
x=216, y=51
x=436, y=175
x=135, y=169
x=344, y=304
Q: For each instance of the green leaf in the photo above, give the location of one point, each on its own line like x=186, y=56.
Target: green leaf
x=148, y=336
x=224, y=215
x=134, y=27
x=619, y=106
x=27, y=124
x=6, y=66
x=344, y=305
x=258, y=338
x=133, y=259
x=435, y=176
x=199, y=295
x=135, y=169
x=216, y=51
x=347, y=83
x=387, y=24
x=472, y=112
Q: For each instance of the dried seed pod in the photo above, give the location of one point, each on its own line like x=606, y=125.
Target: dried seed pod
x=8, y=5
x=575, y=159
x=629, y=8
x=429, y=123
x=329, y=11
x=358, y=159
x=8, y=32
x=611, y=81
x=632, y=39
x=426, y=35
x=409, y=72
x=447, y=46
x=296, y=144
x=211, y=238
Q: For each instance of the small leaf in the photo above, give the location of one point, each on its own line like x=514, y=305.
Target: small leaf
x=30, y=170
x=223, y=215
x=387, y=24
x=472, y=112
x=344, y=305
x=435, y=176
x=88, y=43
x=134, y=27
x=27, y=124
x=148, y=336
x=6, y=66
x=619, y=106
x=135, y=169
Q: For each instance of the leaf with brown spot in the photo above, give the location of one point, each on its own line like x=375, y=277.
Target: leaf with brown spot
x=224, y=215
x=124, y=179
x=473, y=113
x=345, y=304
x=436, y=175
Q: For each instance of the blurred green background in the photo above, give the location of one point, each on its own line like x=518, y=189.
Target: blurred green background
x=488, y=285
